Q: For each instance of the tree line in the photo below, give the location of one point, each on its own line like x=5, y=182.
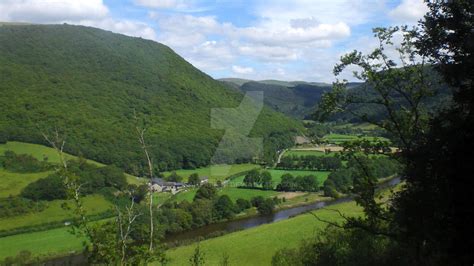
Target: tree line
x=310, y=162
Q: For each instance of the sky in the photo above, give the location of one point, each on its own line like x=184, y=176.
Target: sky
x=251, y=39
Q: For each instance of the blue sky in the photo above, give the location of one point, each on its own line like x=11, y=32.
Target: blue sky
x=285, y=40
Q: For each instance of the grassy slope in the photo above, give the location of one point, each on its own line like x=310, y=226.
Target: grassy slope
x=39, y=152
x=13, y=183
x=276, y=175
x=215, y=172
x=256, y=246
x=55, y=241
x=94, y=204
x=233, y=193
x=306, y=153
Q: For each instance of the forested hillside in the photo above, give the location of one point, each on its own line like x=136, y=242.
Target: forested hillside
x=296, y=99
x=88, y=83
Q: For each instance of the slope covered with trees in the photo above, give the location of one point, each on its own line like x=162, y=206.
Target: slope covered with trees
x=89, y=84
x=296, y=99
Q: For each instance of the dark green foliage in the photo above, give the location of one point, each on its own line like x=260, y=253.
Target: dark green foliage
x=342, y=180
x=138, y=193
x=295, y=99
x=266, y=180
x=174, y=177
x=22, y=163
x=266, y=206
x=336, y=246
x=224, y=207
x=92, y=178
x=13, y=206
x=257, y=201
x=206, y=191
x=339, y=180
x=49, y=188
x=194, y=179
x=299, y=183
x=92, y=82
x=197, y=259
x=287, y=183
x=252, y=178
x=242, y=204
x=310, y=162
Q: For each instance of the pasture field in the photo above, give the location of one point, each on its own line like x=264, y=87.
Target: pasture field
x=340, y=138
x=13, y=183
x=233, y=193
x=215, y=172
x=45, y=243
x=306, y=152
x=256, y=246
x=94, y=204
x=40, y=152
x=276, y=176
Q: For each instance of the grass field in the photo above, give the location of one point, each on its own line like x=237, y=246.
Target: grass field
x=54, y=212
x=40, y=152
x=13, y=183
x=276, y=176
x=256, y=246
x=308, y=152
x=44, y=243
x=233, y=193
x=215, y=172
x=340, y=138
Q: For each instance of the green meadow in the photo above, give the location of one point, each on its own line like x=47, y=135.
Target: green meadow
x=94, y=204
x=307, y=153
x=276, y=175
x=340, y=138
x=13, y=183
x=216, y=172
x=41, y=152
x=257, y=245
x=233, y=193
x=45, y=243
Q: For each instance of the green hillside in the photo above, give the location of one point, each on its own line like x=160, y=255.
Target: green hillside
x=295, y=99
x=88, y=83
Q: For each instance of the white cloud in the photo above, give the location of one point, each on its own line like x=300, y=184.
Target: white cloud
x=127, y=27
x=161, y=3
x=51, y=11
x=92, y=13
x=291, y=35
x=409, y=11
x=242, y=70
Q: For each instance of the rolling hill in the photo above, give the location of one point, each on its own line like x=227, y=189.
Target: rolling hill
x=293, y=98
x=89, y=84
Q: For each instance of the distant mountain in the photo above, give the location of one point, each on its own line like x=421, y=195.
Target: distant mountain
x=294, y=98
x=88, y=83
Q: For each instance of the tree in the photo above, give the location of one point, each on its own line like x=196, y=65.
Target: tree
x=174, y=177
x=266, y=206
x=287, y=183
x=197, y=259
x=242, y=204
x=224, y=207
x=427, y=222
x=194, y=179
x=266, y=180
x=206, y=191
x=252, y=178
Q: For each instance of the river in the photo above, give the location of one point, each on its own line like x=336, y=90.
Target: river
x=234, y=225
